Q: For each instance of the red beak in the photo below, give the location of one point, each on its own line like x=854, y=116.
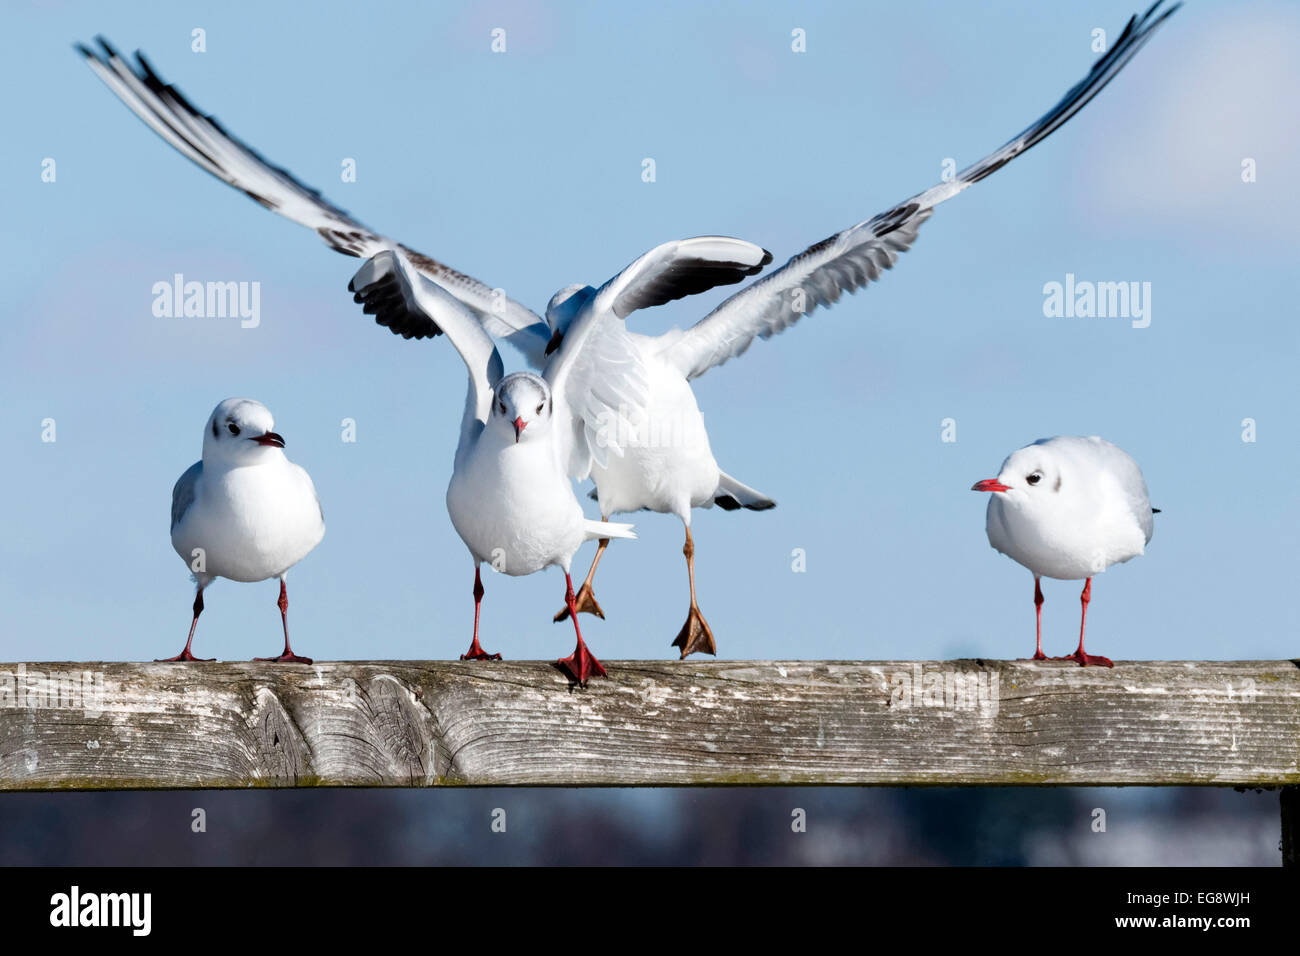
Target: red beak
x=989, y=484
x=270, y=438
x=520, y=425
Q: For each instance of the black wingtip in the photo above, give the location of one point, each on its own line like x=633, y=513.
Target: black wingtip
x=1155, y=511
x=145, y=65
x=109, y=51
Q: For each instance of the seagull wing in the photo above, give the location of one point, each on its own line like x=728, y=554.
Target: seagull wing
x=203, y=140
x=401, y=297
x=183, y=492
x=599, y=368
x=849, y=260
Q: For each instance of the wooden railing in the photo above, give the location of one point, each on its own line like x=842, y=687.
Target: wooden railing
x=654, y=723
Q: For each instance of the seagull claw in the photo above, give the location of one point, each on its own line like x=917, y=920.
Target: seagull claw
x=585, y=600
x=476, y=653
x=1085, y=660
x=288, y=657
x=695, y=635
x=184, y=655
x=581, y=664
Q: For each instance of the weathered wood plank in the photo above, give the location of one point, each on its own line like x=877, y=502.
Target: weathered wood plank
x=432, y=723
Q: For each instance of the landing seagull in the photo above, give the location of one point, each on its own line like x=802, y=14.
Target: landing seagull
x=675, y=477
x=1068, y=508
x=636, y=474
x=510, y=498
x=244, y=511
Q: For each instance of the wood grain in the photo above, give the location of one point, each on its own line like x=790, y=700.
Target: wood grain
x=653, y=723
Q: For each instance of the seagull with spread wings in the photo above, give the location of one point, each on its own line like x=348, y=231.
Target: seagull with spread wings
x=614, y=395
x=636, y=395
x=679, y=475
x=510, y=497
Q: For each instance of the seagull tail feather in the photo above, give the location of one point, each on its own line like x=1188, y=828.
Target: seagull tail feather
x=594, y=530
x=733, y=495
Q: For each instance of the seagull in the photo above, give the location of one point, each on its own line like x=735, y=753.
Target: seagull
x=244, y=511
x=639, y=407
x=621, y=398
x=511, y=496
x=633, y=471
x=677, y=476
x=1068, y=508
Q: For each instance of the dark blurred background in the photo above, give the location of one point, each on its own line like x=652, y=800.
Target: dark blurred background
x=995, y=826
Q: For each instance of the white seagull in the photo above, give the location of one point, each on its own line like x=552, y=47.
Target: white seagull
x=1068, y=508
x=244, y=511
x=674, y=477
x=641, y=470
x=623, y=398
x=510, y=498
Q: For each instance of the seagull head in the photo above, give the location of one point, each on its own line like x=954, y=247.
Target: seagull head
x=1030, y=478
x=521, y=407
x=241, y=430
x=563, y=309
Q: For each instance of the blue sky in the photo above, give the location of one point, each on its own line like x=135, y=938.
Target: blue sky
x=524, y=169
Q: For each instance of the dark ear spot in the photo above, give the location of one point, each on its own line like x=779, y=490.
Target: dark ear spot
x=550, y=405
x=215, y=433
x=1058, y=483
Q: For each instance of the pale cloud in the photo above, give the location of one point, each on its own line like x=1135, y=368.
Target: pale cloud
x=1218, y=87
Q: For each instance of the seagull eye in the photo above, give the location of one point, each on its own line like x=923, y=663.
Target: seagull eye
x=1035, y=478
x=540, y=407
x=234, y=429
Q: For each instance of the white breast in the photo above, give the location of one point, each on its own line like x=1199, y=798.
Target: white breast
x=252, y=522
x=667, y=465
x=1080, y=534
x=514, y=508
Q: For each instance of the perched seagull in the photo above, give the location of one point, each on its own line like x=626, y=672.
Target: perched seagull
x=1068, y=508
x=674, y=477
x=511, y=497
x=245, y=511
x=620, y=397
x=638, y=472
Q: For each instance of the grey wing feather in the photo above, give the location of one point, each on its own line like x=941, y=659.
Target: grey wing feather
x=205, y=142
x=183, y=492
x=402, y=298
x=850, y=259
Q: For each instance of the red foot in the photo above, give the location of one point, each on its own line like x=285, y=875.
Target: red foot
x=1040, y=656
x=1086, y=660
x=476, y=653
x=184, y=655
x=581, y=664
x=288, y=657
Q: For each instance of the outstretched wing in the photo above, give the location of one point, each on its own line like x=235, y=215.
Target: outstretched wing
x=203, y=140
x=599, y=368
x=849, y=260
x=405, y=300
